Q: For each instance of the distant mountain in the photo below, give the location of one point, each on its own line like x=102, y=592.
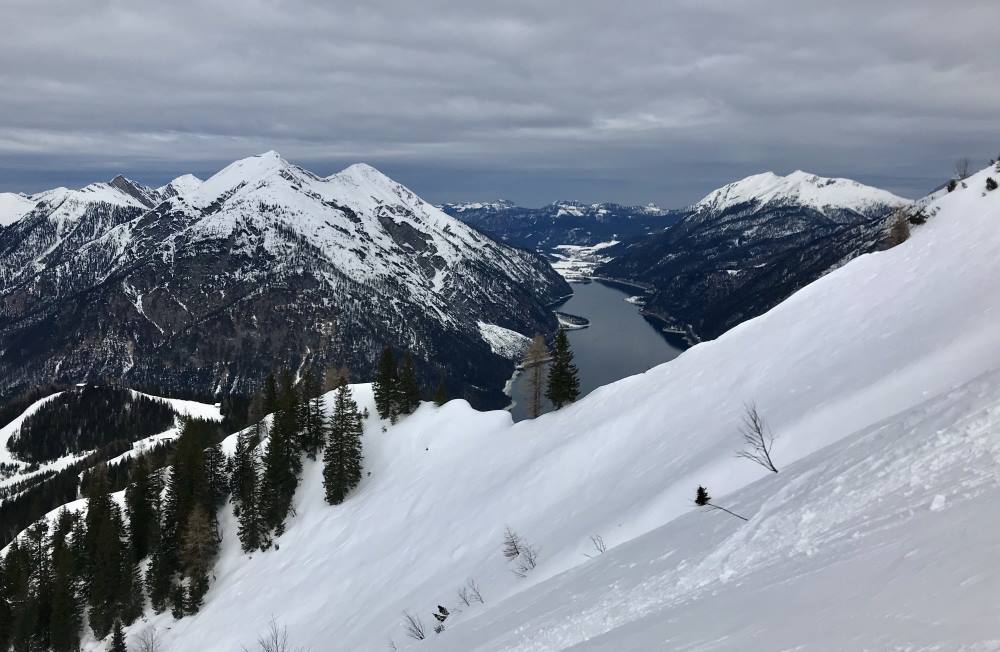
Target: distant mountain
x=206, y=286
x=750, y=244
x=565, y=222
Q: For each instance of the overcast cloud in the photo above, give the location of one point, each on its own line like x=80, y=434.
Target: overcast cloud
x=530, y=100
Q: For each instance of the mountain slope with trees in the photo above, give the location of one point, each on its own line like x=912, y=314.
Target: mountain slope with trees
x=202, y=288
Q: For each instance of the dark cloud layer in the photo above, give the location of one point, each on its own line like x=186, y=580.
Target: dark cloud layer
x=527, y=99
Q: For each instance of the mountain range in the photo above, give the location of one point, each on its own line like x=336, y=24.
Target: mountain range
x=203, y=287
x=561, y=222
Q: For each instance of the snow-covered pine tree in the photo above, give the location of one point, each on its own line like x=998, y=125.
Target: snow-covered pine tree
x=342, y=459
x=385, y=385
x=408, y=390
x=564, y=381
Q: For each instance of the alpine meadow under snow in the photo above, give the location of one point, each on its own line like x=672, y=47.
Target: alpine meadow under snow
x=881, y=383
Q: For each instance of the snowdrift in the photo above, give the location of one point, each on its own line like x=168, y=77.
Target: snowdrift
x=881, y=381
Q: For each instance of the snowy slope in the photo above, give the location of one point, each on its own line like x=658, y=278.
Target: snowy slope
x=882, y=382
x=13, y=206
x=182, y=408
x=799, y=188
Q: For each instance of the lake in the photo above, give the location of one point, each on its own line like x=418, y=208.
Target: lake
x=619, y=342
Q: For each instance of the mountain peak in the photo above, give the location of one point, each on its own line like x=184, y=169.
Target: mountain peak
x=240, y=173
x=799, y=187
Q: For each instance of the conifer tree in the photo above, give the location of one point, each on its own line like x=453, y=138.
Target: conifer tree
x=441, y=392
x=407, y=389
x=6, y=612
x=65, y=615
x=218, y=480
x=198, y=550
x=245, y=487
x=564, y=381
x=142, y=500
x=311, y=415
x=342, y=459
x=281, y=461
x=104, y=554
x=385, y=385
x=118, y=638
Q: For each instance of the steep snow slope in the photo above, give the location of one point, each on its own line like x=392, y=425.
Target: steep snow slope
x=881, y=382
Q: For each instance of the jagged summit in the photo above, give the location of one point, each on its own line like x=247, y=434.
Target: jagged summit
x=801, y=188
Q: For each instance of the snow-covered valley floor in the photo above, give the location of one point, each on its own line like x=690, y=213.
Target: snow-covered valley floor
x=882, y=383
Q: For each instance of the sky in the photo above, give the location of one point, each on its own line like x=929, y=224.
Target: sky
x=529, y=100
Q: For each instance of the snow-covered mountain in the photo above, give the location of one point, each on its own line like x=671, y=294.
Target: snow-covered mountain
x=13, y=206
x=748, y=245
x=881, y=382
x=207, y=286
x=828, y=196
x=561, y=222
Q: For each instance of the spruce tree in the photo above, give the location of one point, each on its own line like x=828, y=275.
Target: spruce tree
x=441, y=392
x=245, y=487
x=385, y=385
x=142, y=500
x=408, y=390
x=218, y=480
x=564, y=381
x=6, y=612
x=281, y=461
x=342, y=459
x=311, y=415
x=198, y=549
x=104, y=552
x=118, y=638
x=65, y=616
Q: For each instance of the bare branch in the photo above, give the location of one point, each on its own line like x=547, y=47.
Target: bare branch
x=413, y=626
x=758, y=440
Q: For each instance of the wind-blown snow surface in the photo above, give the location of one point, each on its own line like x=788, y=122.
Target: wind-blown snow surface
x=13, y=206
x=882, y=383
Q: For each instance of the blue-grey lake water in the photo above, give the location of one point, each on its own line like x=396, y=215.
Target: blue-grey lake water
x=618, y=343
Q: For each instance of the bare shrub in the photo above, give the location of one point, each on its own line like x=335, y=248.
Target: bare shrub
x=470, y=593
x=413, y=626
x=148, y=640
x=513, y=546
x=600, y=548
x=275, y=639
x=758, y=439
x=526, y=561
x=962, y=167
